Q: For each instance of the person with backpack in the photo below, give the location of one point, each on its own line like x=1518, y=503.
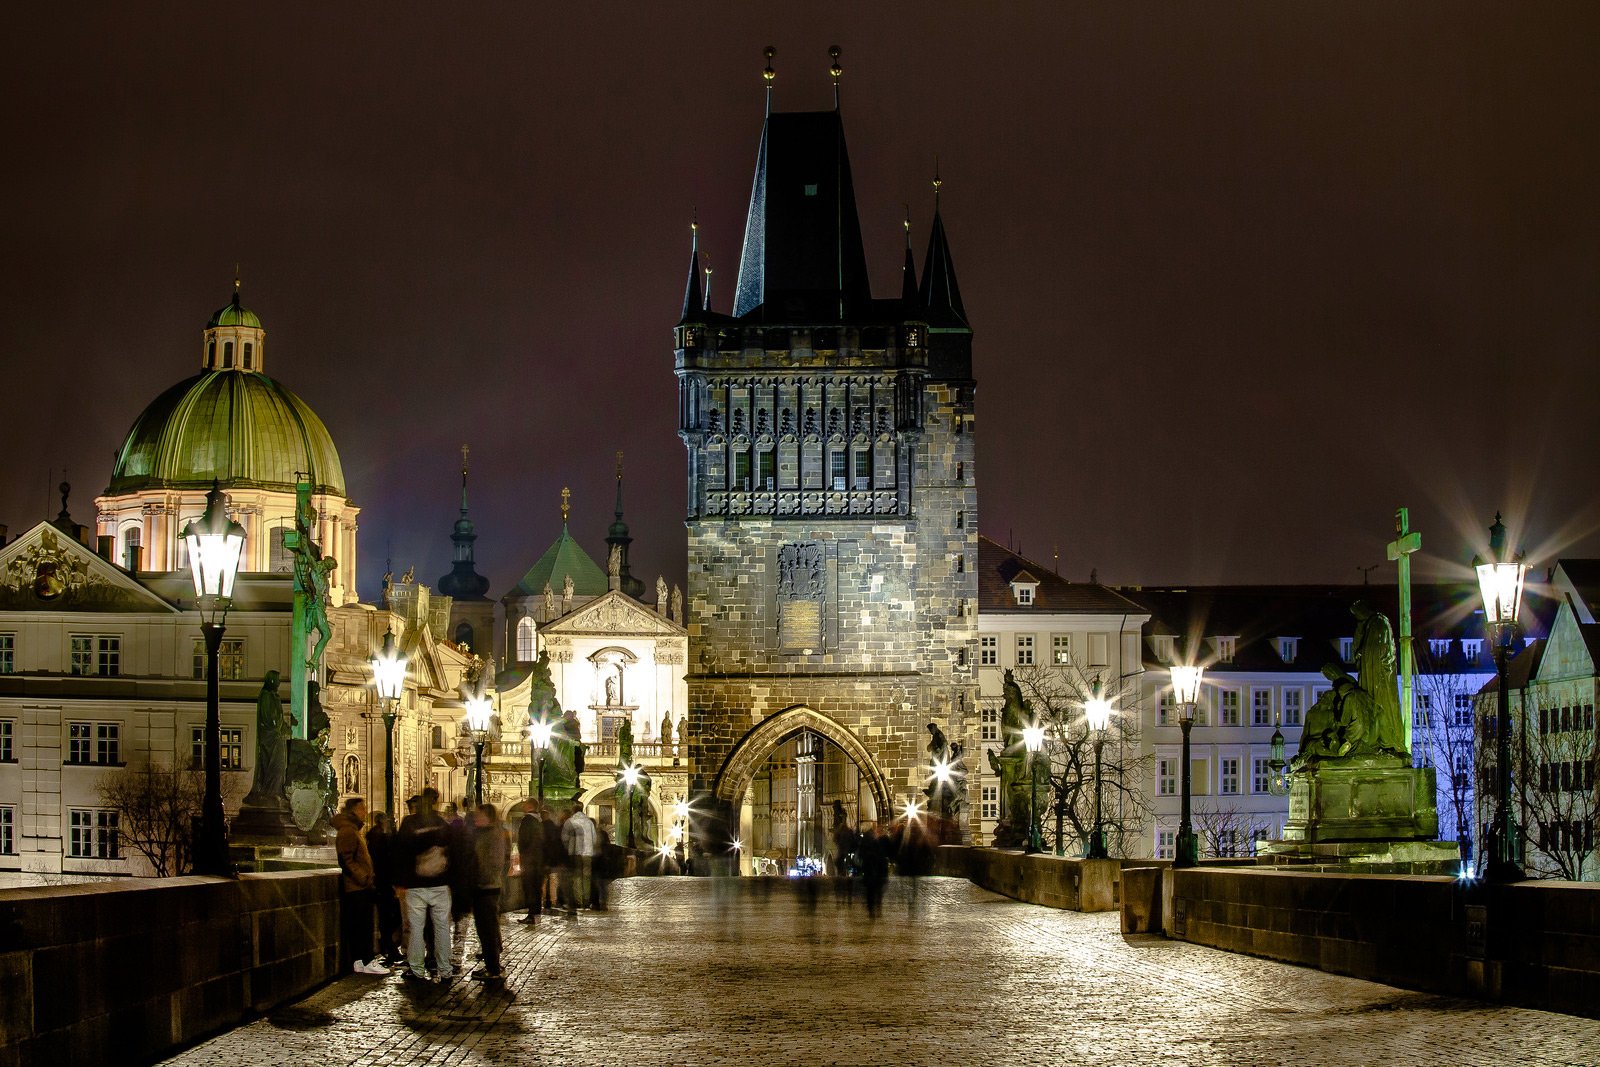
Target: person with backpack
x=426, y=841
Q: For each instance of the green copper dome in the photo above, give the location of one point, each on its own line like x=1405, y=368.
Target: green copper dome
x=234, y=314
x=239, y=427
x=562, y=558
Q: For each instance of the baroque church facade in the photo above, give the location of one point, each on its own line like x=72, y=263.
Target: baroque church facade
x=832, y=511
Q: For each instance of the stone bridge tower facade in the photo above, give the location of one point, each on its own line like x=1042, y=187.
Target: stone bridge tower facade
x=832, y=490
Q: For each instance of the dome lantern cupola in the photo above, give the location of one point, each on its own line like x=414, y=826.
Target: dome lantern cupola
x=234, y=339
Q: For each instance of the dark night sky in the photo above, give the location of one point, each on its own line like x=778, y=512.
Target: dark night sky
x=1243, y=278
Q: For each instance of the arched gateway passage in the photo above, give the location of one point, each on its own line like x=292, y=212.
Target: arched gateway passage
x=783, y=778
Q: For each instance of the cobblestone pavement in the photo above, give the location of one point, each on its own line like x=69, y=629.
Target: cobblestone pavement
x=691, y=971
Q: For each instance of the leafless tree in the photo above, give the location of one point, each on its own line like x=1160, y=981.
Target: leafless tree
x=1057, y=694
x=156, y=807
x=1225, y=830
x=1557, y=788
x=1445, y=740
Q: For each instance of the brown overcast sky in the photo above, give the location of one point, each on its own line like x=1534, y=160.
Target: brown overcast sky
x=1243, y=277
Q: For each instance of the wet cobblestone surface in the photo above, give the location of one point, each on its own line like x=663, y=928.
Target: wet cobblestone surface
x=691, y=971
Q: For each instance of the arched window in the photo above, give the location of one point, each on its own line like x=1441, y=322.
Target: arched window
x=249, y=349
x=525, y=640
x=279, y=560
x=227, y=353
x=211, y=356
x=133, y=549
x=464, y=634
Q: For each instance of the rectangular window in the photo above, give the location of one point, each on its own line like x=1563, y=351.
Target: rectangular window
x=8, y=831
x=1347, y=648
x=1227, y=842
x=1292, y=713
x=1023, y=593
x=1167, y=777
x=8, y=653
x=94, y=742
x=1225, y=648
x=1260, y=775
x=1261, y=707
x=230, y=659
x=836, y=469
x=863, y=468
x=1472, y=649
x=1166, y=708
x=1230, y=707
x=988, y=651
x=990, y=802
x=232, y=738
x=96, y=654
x=1099, y=650
x=1024, y=650
x=1061, y=649
x=8, y=740
x=989, y=723
x=93, y=834
x=1288, y=648
x=1463, y=709
x=767, y=469
x=1229, y=784
x=741, y=469
x=1166, y=848
x=1439, y=647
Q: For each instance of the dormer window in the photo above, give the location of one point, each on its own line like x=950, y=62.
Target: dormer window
x=1439, y=647
x=1288, y=648
x=1471, y=649
x=1225, y=648
x=1023, y=587
x=1024, y=593
x=1162, y=646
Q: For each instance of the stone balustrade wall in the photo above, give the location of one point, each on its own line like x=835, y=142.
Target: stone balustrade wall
x=122, y=972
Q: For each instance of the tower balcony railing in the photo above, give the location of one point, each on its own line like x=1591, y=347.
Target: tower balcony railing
x=597, y=753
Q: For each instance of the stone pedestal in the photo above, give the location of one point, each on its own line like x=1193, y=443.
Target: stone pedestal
x=261, y=825
x=1374, y=814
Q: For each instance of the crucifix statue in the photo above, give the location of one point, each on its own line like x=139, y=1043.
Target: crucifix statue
x=1400, y=549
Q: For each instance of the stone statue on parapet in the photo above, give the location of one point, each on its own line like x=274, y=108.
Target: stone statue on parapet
x=1360, y=716
x=269, y=787
x=564, y=760
x=1012, y=765
x=313, y=785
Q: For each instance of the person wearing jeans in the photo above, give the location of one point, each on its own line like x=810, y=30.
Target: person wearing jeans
x=426, y=841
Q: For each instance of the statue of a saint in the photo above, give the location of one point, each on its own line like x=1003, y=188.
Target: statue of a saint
x=611, y=691
x=352, y=774
x=1360, y=715
x=661, y=596
x=625, y=744
x=549, y=602
x=677, y=605
x=272, y=755
x=666, y=733
x=938, y=745
x=567, y=591
x=614, y=562
x=1013, y=766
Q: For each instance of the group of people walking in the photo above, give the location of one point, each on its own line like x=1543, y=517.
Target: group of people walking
x=422, y=880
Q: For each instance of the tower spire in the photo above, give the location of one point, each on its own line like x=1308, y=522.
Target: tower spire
x=694, y=303
x=835, y=71
x=769, y=74
x=908, y=272
x=619, y=483
x=464, y=582
x=464, y=451
x=618, y=540
x=940, y=293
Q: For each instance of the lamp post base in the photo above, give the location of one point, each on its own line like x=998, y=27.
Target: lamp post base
x=1188, y=850
x=1097, y=846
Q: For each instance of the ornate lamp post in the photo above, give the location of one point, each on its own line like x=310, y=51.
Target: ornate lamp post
x=215, y=543
x=1500, y=581
x=389, y=679
x=629, y=779
x=479, y=709
x=539, y=734
x=1033, y=740
x=1097, y=710
x=1186, y=691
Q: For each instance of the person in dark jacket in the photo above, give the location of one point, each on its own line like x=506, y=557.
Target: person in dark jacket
x=872, y=850
x=427, y=845
x=461, y=881
x=555, y=859
x=381, y=846
x=535, y=871
x=491, y=847
x=356, y=881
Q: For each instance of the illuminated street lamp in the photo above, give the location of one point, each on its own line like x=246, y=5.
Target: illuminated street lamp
x=389, y=679
x=539, y=734
x=629, y=779
x=1097, y=710
x=1033, y=740
x=478, y=711
x=215, y=543
x=1500, y=581
x=1186, y=691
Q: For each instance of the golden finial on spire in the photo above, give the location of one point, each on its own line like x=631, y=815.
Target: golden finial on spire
x=464, y=451
x=937, y=182
x=619, y=464
x=769, y=73
x=835, y=70
x=236, y=277
x=566, y=504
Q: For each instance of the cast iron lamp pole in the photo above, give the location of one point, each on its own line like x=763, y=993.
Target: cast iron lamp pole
x=1500, y=580
x=539, y=733
x=1186, y=691
x=215, y=543
x=630, y=780
x=478, y=712
x=389, y=679
x=1097, y=710
x=1033, y=739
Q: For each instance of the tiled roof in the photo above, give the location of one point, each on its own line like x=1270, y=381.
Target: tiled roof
x=998, y=567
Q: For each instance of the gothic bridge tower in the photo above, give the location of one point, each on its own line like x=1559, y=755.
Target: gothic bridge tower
x=832, y=509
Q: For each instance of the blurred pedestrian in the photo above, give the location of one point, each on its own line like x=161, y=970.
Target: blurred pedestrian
x=492, y=852
x=872, y=850
x=555, y=858
x=426, y=842
x=381, y=847
x=356, y=880
x=578, y=837
x=530, y=853
x=604, y=870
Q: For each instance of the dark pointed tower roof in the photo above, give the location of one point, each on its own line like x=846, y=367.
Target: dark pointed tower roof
x=618, y=536
x=941, y=295
x=908, y=276
x=803, y=259
x=464, y=582
x=694, y=303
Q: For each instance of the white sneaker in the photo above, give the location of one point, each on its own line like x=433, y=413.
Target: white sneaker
x=371, y=967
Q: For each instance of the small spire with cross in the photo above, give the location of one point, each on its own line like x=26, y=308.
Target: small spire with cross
x=566, y=504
